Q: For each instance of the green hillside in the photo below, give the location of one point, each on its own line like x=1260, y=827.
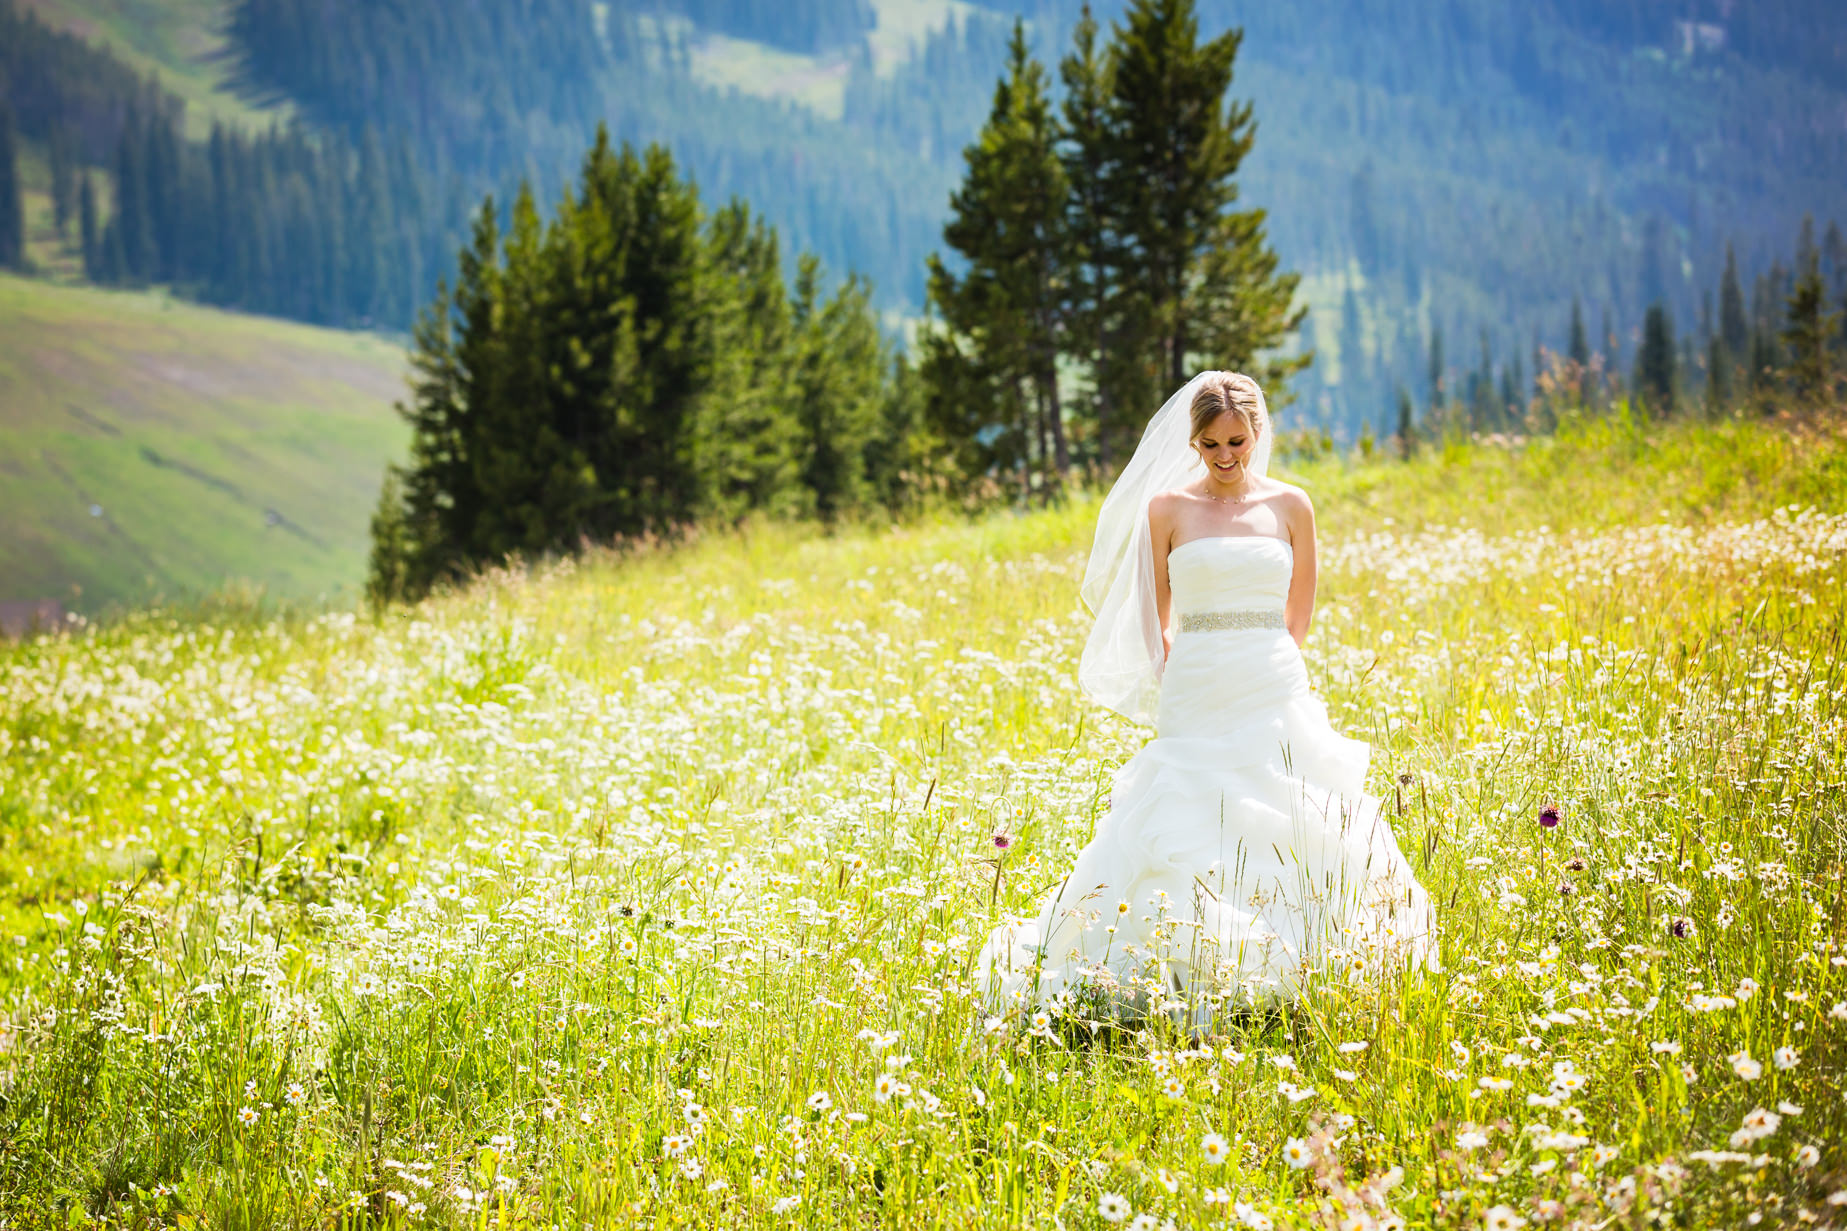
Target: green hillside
x=151, y=447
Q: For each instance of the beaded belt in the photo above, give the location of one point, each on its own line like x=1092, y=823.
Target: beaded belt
x=1212, y=621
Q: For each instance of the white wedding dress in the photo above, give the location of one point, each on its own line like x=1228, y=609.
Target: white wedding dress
x=1240, y=855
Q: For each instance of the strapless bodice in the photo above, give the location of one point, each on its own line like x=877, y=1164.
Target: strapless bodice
x=1248, y=572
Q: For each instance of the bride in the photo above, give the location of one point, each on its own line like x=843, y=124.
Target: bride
x=1240, y=855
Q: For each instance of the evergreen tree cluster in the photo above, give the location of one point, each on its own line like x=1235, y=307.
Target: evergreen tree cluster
x=475, y=87
x=813, y=25
x=1099, y=238
x=629, y=367
x=1784, y=345
x=300, y=224
x=280, y=222
x=60, y=89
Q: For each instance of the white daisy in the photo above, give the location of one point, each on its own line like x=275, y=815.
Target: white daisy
x=1502, y=1218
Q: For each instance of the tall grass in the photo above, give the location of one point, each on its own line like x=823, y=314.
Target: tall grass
x=645, y=890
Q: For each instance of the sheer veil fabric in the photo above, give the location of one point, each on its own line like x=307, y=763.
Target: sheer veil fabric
x=1240, y=858
x=1122, y=661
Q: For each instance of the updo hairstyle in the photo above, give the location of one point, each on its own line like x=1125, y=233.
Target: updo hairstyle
x=1233, y=391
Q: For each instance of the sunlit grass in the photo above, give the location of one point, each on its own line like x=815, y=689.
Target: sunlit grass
x=645, y=888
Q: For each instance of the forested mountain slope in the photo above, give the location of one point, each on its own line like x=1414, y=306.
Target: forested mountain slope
x=1467, y=166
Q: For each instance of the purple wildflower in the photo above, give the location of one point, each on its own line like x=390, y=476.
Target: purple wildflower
x=1002, y=841
x=1680, y=926
x=1548, y=816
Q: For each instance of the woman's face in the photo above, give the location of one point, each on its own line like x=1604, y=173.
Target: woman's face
x=1225, y=446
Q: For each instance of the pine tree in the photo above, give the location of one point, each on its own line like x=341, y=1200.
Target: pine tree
x=747, y=440
x=1407, y=413
x=1578, y=348
x=1095, y=301
x=12, y=207
x=1834, y=258
x=1435, y=370
x=1809, y=330
x=835, y=388
x=388, y=571
x=1612, y=350
x=87, y=228
x=1718, y=377
x=64, y=169
x=1734, y=326
x=1203, y=273
x=1483, y=415
x=1654, y=363
x=1530, y=393
x=1007, y=221
x=132, y=223
x=1764, y=360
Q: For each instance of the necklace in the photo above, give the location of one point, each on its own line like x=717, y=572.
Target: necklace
x=1238, y=499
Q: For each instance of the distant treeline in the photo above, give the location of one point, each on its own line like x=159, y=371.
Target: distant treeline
x=1782, y=345
x=306, y=225
x=283, y=223
x=60, y=89
x=630, y=366
x=471, y=85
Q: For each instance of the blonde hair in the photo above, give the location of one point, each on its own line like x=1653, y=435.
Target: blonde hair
x=1229, y=391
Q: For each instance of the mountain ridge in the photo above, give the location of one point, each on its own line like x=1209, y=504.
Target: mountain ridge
x=1450, y=165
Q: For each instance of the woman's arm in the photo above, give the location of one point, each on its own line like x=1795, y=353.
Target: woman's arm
x=1160, y=533
x=1299, y=607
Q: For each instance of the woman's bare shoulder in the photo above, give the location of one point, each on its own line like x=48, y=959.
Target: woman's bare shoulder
x=1163, y=506
x=1172, y=498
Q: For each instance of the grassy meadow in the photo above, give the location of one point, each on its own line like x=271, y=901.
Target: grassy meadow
x=643, y=889
x=150, y=447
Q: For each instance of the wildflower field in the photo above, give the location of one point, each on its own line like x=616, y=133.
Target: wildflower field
x=644, y=889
